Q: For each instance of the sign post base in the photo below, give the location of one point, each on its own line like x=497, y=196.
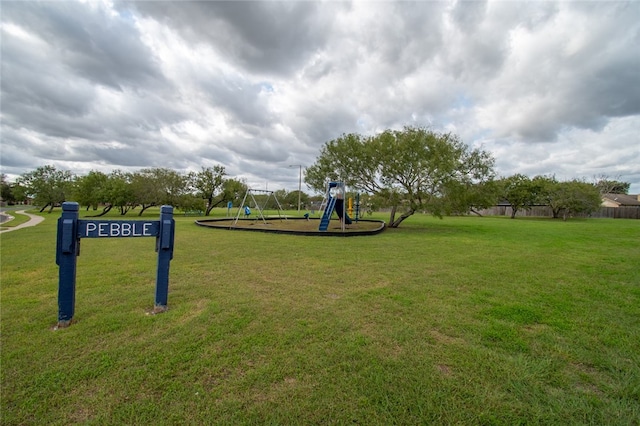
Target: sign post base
x=158, y=309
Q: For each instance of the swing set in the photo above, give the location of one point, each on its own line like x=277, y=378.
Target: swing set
x=243, y=208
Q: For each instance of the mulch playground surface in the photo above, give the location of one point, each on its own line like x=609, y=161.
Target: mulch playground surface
x=296, y=225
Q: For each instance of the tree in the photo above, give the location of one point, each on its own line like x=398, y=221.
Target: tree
x=89, y=190
x=609, y=186
x=147, y=188
x=158, y=186
x=19, y=193
x=549, y=193
x=520, y=191
x=232, y=190
x=189, y=202
x=47, y=186
x=174, y=186
x=465, y=197
x=574, y=196
x=206, y=183
x=411, y=169
x=119, y=192
x=281, y=196
x=7, y=194
x=291, y=200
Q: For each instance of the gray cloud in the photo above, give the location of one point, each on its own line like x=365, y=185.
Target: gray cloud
x=107, y=52
x=262, y=37
x=547, y=87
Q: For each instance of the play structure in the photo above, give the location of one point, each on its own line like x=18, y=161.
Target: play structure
x=334, y=201
x=253, y=207
x=244, y=209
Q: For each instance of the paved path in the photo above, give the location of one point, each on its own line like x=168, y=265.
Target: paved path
x=33, y=221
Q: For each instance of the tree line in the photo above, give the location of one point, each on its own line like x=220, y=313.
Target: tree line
x=49, y=187
x=409, y=170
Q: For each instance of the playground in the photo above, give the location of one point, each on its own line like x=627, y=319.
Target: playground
x=324, y=223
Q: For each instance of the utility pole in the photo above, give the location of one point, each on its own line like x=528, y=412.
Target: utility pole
x=299, y=181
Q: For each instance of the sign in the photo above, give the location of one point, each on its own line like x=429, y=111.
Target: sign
x=117, y=228
x=71, y=229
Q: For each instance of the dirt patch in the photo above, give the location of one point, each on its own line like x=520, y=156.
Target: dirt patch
x=445, y=370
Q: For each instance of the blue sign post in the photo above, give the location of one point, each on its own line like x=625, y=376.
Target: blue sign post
x=71, y=230
x=67, y=248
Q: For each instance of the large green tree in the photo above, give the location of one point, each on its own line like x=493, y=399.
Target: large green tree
x=469, y=197
x=47, y=186
x=207, y=183
x=290, y=201
x=90, y=189
x=570, y=197
x=158, y=186
x=147, y=187
x=521, y=192
x=119, y=192
x=581, y=197
x=232, y=190
x=408, y=170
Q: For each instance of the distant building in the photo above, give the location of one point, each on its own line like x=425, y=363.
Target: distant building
x=620, y=200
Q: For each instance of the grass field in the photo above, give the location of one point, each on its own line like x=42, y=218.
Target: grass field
x=453, y=321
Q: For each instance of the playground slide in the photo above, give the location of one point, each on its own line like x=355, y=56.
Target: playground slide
x=340, y=211
x=326, y=216
x=337, y=205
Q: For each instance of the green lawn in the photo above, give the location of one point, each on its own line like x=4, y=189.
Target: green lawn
x=453, y=321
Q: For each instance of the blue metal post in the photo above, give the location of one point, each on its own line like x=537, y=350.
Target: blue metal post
x=67, y=250
x=164, y=247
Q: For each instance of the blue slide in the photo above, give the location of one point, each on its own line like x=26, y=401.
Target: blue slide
x=340, y=211
x=326, y=216
x=334, y=203
x=337, y=205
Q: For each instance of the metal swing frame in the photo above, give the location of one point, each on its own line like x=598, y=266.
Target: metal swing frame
x=260, y=209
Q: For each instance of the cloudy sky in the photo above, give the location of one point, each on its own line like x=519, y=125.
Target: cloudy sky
x=546, y=87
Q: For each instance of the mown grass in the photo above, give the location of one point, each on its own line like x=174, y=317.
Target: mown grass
x=454, y=321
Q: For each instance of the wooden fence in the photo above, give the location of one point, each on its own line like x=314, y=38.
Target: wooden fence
x=545, y=211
